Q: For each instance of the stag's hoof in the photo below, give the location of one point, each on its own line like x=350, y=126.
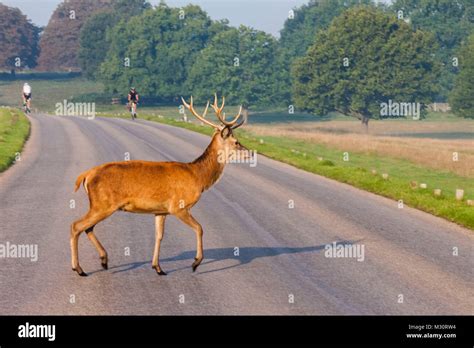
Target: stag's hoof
x=81, y=272
x=196, y=264
x=159, y=271
x=103, y=262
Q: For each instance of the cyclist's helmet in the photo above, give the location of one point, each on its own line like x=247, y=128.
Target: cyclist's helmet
x=132, y=89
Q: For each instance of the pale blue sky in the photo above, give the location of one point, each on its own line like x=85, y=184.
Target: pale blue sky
x=267, y=15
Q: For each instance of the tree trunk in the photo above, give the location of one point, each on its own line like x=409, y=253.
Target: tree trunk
x=365, y=123
x=364, y=119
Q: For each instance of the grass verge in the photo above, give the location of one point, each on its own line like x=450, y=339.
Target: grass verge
x=14, y=130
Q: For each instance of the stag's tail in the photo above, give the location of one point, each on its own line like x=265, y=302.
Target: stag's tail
x=80, y=179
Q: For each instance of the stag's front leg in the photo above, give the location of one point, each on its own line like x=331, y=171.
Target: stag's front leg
x=159, y=232
x=186, y=217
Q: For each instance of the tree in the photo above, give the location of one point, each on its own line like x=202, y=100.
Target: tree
x=59, y=43
x=300, y=30
x=129, y=8
x=451, y=21
x=93, y=42
x=365, y=58
x=240, y=64
x=18, y=39
x=462, y=96
x=93, y=37
x=154, y=51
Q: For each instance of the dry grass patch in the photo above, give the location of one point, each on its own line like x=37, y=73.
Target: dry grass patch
x=346, y=136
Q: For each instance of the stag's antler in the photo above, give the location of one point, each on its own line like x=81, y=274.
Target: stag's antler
x=221, y=116
x=202, y=118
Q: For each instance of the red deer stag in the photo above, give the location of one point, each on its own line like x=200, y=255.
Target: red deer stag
x=159, y=188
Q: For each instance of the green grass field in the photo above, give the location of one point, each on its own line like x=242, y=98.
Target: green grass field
x=14, y=130
x=46, y=93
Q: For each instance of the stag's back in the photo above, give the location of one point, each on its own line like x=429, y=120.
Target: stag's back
x=141, y=186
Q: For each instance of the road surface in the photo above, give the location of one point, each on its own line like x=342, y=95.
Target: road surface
x=262, y=255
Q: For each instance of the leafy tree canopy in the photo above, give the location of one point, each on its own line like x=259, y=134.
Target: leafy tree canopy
x=240, y=64
x=366, y=57
x=451, y=21
x=462, y=97
x=18, y=39
x=93, y=39
x=155, y=50
x=60, y=42
x=299, y=30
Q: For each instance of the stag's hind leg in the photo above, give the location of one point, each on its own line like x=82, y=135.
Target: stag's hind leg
x=102, y=252
x=186, y=217
x=87, y=222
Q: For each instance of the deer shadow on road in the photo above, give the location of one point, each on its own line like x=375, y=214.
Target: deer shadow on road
x=245, y=256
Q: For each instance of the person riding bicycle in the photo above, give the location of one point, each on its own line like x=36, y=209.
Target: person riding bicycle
x=133, y=98
x=27, y=96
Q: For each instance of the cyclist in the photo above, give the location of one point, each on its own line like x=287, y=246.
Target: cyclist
x=27, y=97
x=133, y=101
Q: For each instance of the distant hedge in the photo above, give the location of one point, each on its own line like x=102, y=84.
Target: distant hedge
x=5, y=76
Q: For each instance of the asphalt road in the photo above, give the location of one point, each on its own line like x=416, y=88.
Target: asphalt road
x=281, y=250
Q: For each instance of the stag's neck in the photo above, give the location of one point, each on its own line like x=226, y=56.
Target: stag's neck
x=207, y=167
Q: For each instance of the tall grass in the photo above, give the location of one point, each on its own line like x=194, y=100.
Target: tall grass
x=453, y=155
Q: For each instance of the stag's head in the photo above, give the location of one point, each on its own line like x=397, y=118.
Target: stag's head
x=224, y=131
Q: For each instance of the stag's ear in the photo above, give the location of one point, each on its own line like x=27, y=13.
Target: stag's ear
x=226, y=132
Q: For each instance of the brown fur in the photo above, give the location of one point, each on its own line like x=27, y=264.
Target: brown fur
x=159, y=188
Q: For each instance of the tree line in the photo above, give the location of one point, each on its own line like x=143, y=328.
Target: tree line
x=348, y=56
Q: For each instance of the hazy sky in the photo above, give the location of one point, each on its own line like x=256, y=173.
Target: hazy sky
x=267, y=15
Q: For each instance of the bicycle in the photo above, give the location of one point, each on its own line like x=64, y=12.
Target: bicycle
x=133, y=109
x=26, y=108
